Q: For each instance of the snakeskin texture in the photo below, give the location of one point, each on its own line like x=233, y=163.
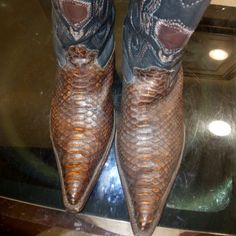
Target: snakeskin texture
x=81, y=123
x=150, y=135
x=149, y=143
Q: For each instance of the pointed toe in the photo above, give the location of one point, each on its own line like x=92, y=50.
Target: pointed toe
x=73, y=195
x=81, y=136
x=148, y=154
x=144, y=226
x=144, y=222
x=73, y=200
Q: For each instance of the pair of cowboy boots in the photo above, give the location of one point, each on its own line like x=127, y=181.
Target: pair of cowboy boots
x=150, y=135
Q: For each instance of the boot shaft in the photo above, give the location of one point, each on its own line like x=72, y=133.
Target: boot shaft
x=156, y=32
x=83, y=23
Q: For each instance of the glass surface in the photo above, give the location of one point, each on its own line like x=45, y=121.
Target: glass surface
x=203, y=197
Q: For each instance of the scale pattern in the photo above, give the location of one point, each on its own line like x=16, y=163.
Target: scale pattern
x=81, y=120
x=149, y=141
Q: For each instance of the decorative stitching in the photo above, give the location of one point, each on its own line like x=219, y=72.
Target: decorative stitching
x=78, y=3
x=186, y=5
x=174, y=24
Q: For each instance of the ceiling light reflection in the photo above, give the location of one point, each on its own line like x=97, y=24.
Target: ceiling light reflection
x=218, y=54
x=219, y=128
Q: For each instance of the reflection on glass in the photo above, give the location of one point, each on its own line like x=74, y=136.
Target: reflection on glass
x=218, y=54
x=219, y=128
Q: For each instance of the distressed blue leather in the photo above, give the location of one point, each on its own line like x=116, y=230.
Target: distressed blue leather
x=90, y=26
x=156, y=31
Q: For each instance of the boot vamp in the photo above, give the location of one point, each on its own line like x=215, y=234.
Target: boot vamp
x=150, y=143
x=81, y=122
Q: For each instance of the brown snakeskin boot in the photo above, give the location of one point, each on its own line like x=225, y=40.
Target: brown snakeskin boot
x=150, y=144
x=150, y=137
x=82, y=120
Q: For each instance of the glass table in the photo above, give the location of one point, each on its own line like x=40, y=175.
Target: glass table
x=203, y=197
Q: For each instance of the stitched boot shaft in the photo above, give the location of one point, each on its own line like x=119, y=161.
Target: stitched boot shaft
x=150, y=136
x=156, y=31
x=82, y=110
x=85, y=23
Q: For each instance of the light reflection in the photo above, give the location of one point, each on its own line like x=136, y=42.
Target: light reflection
x=218, y=54
x=108, y=186
x=219, y=128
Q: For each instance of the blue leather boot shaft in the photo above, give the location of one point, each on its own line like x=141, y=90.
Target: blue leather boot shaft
x=86, y=23
x=156, y=32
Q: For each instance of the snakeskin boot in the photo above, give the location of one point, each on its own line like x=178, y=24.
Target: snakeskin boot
x=82, y=119
x=150, y=137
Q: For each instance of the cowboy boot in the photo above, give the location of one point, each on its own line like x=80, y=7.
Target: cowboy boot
x=150, y=137
x=82, y=120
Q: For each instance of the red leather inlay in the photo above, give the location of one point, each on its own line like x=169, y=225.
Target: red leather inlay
x=75, y=12
x=172, y=38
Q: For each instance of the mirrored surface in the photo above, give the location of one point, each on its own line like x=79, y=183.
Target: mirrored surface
x=203, y=197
